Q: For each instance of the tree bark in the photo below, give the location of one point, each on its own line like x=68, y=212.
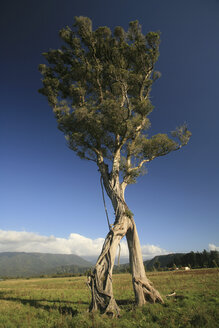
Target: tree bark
x=100, y=281
x=143, y=288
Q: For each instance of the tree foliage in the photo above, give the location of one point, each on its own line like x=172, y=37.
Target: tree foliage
x=99, y=84
x=197, y=260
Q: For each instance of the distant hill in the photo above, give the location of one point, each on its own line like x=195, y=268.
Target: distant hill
x=194, y=260
x=164, y=260
x=16, y=264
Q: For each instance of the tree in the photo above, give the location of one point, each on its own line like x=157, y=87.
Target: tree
x=214, y=258
x=205, y=259
x=98, y=84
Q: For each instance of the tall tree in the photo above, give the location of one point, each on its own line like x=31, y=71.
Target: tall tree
x=98, y=84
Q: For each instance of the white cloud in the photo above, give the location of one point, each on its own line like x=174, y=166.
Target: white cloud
x=22, y=241
x=151, y=250
x=212, y=247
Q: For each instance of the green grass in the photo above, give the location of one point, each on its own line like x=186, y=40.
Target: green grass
x=63, y=302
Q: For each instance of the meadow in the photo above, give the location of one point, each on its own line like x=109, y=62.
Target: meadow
x=63, y=302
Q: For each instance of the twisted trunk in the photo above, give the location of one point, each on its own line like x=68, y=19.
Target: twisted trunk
x=100, y=281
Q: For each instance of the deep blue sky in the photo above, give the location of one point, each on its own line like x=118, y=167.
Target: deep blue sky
x=46, y=189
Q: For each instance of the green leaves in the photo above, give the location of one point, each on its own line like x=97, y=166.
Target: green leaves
x=98, y=84
x=183, y=134
x=158, y=145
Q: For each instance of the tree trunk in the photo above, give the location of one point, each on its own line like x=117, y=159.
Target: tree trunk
x=143, y=288
x=100, y=281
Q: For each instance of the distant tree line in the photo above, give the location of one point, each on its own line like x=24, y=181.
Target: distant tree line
x=197, y=260
x=193, y=260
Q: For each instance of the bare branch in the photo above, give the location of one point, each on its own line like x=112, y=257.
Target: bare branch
x=147, y=75
x=97, y=72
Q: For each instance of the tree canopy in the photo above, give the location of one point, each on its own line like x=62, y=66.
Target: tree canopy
x=99, y=84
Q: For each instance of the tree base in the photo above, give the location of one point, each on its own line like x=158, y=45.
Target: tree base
x=100, y=281
x=102, y=301
x=106, y=303
x=145, y=292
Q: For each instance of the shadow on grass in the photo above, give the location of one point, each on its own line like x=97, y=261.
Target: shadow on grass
x=125, y=302
x=63, y=309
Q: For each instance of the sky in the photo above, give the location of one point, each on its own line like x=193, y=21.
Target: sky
x=50, y=200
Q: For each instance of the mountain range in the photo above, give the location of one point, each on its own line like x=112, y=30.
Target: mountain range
x=20, y=264
x=16, y=264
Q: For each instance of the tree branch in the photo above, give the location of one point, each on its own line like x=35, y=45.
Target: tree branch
x=97, y=72
x=131, y=170
x=147, y=75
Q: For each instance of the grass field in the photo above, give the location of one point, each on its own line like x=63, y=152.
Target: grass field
x=63, y=302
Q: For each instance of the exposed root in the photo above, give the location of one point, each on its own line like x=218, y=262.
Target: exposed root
x=101, y=300
x=100, y=281
x=145, y=292
x=112, y=308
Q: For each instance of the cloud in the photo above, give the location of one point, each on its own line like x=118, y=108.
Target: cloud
x=150, y=250
x=212, y=247
x=22, y=241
